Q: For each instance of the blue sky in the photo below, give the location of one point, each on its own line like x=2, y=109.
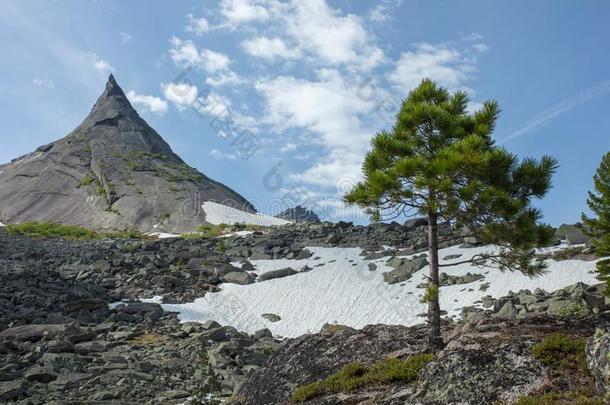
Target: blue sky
x=307, y=83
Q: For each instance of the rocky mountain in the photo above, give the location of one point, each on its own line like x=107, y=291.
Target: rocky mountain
x=299, y=214
x=112, y=172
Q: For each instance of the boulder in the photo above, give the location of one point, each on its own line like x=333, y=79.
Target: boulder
x=281, y=273
x=263, y=333
x=272, y=317
x=10, y=390
x=237, y=277
x=32, y=333
x=405, y=270
x=221, y=334
x=96, y=346
x=139, y=308
x=598, y=359
x=508, y=310
x=40, y=374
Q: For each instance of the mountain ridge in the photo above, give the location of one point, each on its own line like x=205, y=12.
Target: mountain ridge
x=113, y=171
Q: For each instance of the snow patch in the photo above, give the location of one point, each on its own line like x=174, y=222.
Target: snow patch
x=163, y=235
x=342, y=290
x=238, y=233
x=217, y=214
x=1, y=224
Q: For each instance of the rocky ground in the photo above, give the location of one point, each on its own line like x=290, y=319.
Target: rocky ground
x=488, y=360
x=62, y=342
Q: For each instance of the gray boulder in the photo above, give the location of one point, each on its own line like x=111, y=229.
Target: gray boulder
x=270, y=275
x=32, y=333
x=12, y=389
x=598, y=359
x=238, y=277
x=272, y=317
x=405, y=269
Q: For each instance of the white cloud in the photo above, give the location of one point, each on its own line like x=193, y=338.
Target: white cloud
x=309, y=29
x=329, y=107
x=238, y=12
x=185, y=54
x=147, y=103
x=181, y=94
x=214, y=104
x=382, y=12
x=48, y=83
x=219, y=155
x=197, y=26
x=331, y=37
x=331, y=113
x=270, y=48
x=125, y=37
x=214, y=61
x=100, y=64
x=224, y=78
x=442, y=63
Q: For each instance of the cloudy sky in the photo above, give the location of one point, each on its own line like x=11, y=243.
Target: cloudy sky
x=279, y=99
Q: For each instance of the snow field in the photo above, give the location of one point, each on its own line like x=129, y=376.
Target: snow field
x=340, y=289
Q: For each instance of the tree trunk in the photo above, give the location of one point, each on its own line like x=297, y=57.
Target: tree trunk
x=435, y=340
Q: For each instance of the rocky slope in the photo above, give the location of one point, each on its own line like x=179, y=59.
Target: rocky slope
x=62, y=342
x=487, y=361
x=112, y=172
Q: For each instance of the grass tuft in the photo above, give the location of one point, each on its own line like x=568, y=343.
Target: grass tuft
x=71, y=232
x=355, y=376
x=561, y=351
x=51, y=230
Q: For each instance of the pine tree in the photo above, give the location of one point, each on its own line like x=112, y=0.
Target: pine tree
x=599, y=228
x=441, y=162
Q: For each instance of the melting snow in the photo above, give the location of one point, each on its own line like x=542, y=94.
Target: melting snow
x=163, y=235
x=217, y=214
x=342, y=290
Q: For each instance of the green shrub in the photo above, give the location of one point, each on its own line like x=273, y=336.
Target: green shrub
x=354, y=376
x=51, y=230
x=87, y=180
x=561, y=351
x=126, y=234
x=72, y=232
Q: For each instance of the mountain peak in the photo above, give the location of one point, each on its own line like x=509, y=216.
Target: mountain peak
x=112, y=172
x=299, y=214
x=110, y=104
x=113, y=88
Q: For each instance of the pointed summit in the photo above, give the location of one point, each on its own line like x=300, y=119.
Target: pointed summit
x=111, y=104
x=113, y=88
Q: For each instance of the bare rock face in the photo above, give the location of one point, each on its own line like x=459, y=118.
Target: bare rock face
x=299, y=214
x=112, y=172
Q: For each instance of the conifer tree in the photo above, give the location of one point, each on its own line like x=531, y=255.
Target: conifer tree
x=598, y=227
x=440, y=161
